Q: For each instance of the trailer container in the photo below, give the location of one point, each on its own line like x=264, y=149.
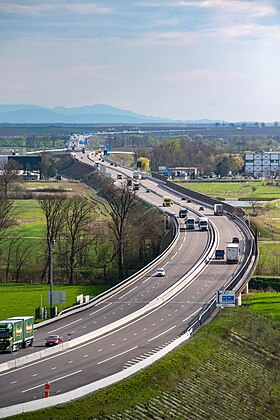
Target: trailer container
x=15, y=333
x=218, y=209
x=232, y=253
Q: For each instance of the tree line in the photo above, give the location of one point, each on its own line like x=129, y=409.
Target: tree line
x=92, y=240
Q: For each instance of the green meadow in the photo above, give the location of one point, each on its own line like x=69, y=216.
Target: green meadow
x=24, y=298
x=237, y=190
x=265, y=303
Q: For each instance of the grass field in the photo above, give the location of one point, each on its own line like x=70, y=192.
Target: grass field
x=23, y=299
x=235, y=190
x=265, y=303
x=227, y=371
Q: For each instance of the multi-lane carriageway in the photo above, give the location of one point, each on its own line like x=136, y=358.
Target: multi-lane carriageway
x=111, y=350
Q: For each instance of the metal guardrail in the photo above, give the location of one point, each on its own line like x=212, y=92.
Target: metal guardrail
x=125, y=283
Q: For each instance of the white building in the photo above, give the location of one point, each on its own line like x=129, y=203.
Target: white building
x=262, y=164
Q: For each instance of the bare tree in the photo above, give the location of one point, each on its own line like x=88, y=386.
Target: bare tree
x=22, y=253
x=121, y=202
x=9, y=172
x=6, y=215
x=54, y=211
x=77, y=233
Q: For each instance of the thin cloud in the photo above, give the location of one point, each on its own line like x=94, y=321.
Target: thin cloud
x=233, y=6
x=31, y=9
x=202, y=75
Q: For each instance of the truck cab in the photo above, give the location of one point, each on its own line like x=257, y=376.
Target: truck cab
x=136, y=186
x=167, y=202
x=203, y=223
x=190, y=223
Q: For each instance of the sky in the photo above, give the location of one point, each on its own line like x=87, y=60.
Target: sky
x=216, y=59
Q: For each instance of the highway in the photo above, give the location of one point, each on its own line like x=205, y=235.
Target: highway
x=122, y=346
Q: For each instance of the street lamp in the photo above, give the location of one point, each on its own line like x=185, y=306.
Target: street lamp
x=51, y=275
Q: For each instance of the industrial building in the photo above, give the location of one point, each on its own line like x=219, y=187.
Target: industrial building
x=262, y=164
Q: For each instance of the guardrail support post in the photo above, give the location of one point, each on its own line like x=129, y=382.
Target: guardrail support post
x=239, y=300
x=245, y=291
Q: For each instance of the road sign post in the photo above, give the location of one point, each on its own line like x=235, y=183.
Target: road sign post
x=225, y=298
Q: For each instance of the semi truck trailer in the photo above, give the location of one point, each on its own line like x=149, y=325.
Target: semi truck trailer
x=232, y=253
x=16, y=333
x=218, y=209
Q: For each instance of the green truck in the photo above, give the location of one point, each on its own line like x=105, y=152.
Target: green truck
x=15, y=333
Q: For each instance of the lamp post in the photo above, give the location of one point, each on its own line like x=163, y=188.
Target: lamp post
x=51, y=276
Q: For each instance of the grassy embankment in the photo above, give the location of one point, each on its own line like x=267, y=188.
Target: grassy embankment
x=229, y=370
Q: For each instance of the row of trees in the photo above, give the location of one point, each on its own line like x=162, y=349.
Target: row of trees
x=85, y=236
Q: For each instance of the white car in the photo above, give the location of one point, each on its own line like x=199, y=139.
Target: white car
x=160, y=272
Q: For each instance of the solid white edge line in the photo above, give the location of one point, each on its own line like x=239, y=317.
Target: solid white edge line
x=117, y=355
x=169, y=329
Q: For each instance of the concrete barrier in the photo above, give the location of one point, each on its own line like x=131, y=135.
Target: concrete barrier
x=95, y=386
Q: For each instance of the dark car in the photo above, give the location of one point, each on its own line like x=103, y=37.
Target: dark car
x=235, y=240
x=183, y=213
x=115, y=165
x=53, y=340
x=189, y=201
x=111, y=164
x=183, y=198
x=148, y=190
x=201, y=208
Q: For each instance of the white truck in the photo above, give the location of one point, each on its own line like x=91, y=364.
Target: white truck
x=203, y=223
x=190, y=223
x=232, y=253
x=218, y=209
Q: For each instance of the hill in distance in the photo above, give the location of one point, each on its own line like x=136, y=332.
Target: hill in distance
x=105, y=114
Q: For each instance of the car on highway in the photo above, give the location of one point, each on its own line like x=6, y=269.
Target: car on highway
x=183, y=198
x=160, y=272
x=115, y=165
x=148, y=190
x=189, y=201
x=111, y=164
x=183, y=213
x=235, y=240
x=53, y=340
x=201, y=208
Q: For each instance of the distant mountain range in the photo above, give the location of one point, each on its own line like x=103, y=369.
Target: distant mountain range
x=94, y=114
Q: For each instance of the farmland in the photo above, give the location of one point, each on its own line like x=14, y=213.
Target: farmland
x=242, y=190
